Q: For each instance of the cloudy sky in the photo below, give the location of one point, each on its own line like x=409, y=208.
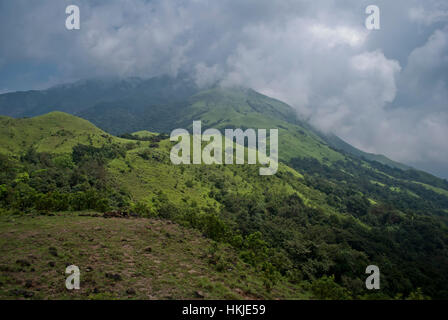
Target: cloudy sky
x=384, y=91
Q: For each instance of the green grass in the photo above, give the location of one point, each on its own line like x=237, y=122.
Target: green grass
x=144, y=179
x=144, y=134
x=433, y=188
x=231, y=108
x=55, y=132
x=377, y=183
x=155, y=259
x=58, y=132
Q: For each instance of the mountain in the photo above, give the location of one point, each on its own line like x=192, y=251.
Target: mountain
x=340, y=144
x=74, y=98
x=309, y=231
x=161, y=104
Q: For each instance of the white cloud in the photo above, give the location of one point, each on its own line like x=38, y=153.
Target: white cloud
x=339, y=35
x=427, y=17
x=207, y=75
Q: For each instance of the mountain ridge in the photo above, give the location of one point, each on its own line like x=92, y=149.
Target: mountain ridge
x=112, y=104
x=127, y=105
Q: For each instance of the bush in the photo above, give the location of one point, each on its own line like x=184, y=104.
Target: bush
x=168, y=210
x=213, y=227
x=64, y=161
x=142, y=209
x=326, y=288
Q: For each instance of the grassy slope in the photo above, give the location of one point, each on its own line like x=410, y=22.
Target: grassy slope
x=58, y=132
x=220, y=108
x=240, y=108
x=144, y=179
x=144, y=134
x=55, y=132
x=155, y=259
x=432, y=188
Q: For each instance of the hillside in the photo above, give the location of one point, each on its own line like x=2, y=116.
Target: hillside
x=219, y=108
x=161, y=104
x=55, y=132
x=122, y=259
x=85, y=94
x=312, y=227
x=340, y=144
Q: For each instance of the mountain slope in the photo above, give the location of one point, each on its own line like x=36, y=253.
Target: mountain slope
x=316, y=228
x=55, y=132
x=219, y=108
x=157, y=260
x=85, y=94
x=244, y=108
x=340, y=144
x=161, y=104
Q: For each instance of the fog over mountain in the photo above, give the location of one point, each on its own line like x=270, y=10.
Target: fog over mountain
x=384, y=91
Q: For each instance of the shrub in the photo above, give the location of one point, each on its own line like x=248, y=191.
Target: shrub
x=142, y=209
x=326, y=288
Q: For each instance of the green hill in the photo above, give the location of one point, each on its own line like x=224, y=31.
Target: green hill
x=55, y=132
x=244, y=108
x=309, y=231
x=222, y=108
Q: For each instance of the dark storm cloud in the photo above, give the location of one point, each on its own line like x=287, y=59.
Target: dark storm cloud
x=384, y=91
